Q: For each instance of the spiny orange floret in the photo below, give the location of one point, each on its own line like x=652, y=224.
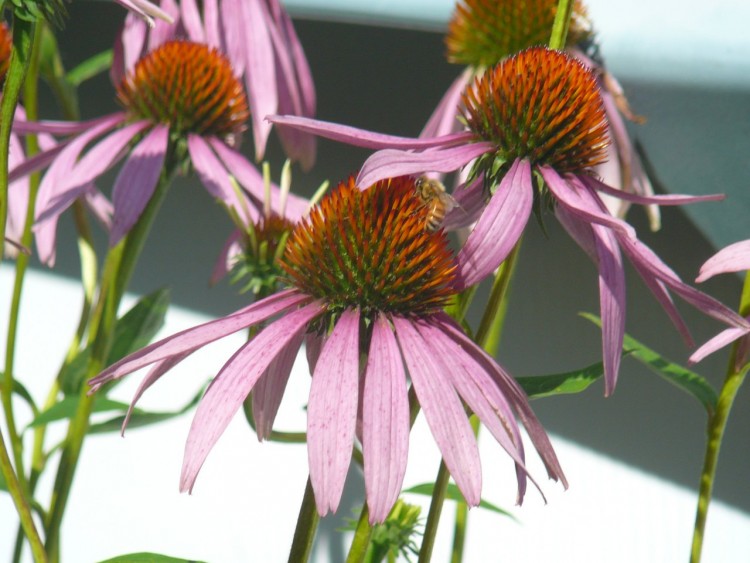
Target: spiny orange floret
x=5, y=46
x=369, y=249
x=190, y=87
x=483, y=32
x=541, y=105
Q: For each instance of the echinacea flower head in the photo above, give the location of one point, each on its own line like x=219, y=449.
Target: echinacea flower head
x=367, y=283
x=535, y=128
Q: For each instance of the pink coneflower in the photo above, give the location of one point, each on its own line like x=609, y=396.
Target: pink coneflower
x=367, y=287
x=733, y=258
x=536, y=126
x=481, y=33
x=259, y=39
x=181, y=101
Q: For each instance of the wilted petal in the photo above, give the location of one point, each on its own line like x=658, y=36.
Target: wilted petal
x=136, y=182
x=499, y=227
x=195, y=337
x=389, y=163
x=234, y=382
x=443, y=411
x=332, y=412
x=385, y=421
x=733, y=258
x=270, y=388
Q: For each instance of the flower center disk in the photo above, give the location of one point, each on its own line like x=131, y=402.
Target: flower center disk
x=188, y=86
x=541, y=105
x=481, y=33
x=370, y=250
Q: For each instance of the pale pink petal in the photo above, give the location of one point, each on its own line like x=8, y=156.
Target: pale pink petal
x=302, y=68
x=190, y=18
x=444, y=119
x=212, y=173
x=511, y=391
x=270, y=388
x=163, y=31
x=147, y=10
x=136, y=182
x=733, y=258
x=230, y=249
x=389, y=163
x=332, y=412
x=36, y=162
x=668, y=199
x=211, y=25
x=233, y=34
x=364, y=138
x=313, y=345
x=198, y=336
x=471, y=200
x=443, y=411
x=722, y=339
x=23, y=127
x=385, y=421
x=499, y=227
x=232, y=385
x=99, y=205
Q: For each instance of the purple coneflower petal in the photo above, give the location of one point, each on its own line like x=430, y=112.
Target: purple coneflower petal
x=163, y=31
x=668, y=199
x=444, y=119
x=367, y=139
x=389, y=163
x=212, y=24
x=499, y=227
x=230, y=248
x=147, y=10
x=513, y=392
x=213, y=174
x=190, y=18
x=100, y=207
x=23, y=127
x=471, y=200
x=136, y=182
x=385, y=424
x=269, y=390
x=332, y=412
x=36, y=162
x=313, y=345
x=127, y=49
x=722, y=339
x=443, y=411
x=233, y=383
x=733, y=258
x=232, y=35
x=197, y=336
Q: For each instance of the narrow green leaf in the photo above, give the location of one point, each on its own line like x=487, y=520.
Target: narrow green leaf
x=89, y=68
x=685, y=379
x=561, y=383
x=145, y=557
x=22, y=392
x=3, y=484
x=66, y=408
x=454, y=494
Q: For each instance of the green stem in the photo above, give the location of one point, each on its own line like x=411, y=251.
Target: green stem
x=23, y=33
x=118, y=270
x=716, y=426
x=561, y=24
x=361, y=540
x=433, y=516
x=307, y=524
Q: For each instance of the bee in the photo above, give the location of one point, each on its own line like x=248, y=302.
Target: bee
x=437, y=201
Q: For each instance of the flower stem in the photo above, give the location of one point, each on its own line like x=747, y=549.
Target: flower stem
x=307, y=525
x=433, y=516
x=561, y=24
x=361, y=541
x=23, y=32
x=717, y=424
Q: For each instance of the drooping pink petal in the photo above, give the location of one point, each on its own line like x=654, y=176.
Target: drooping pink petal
x=100, y=207
x=733, y=258
x=667, y=199
x=304, y=79
x=313, y=345
x=190, y=18
x=444, y=119
x=213, y=174
x=230, y=249
x=580, y=201
x=443, y=411
x=163, y=31
x=212, y=24
x=35, y=163
x=482, y=396
x=23, y=127
x=270, y=388
x=232, y=385
x=511, y=391
x=499, y=227
x=136, y=182
x=389, y=163
x=364, y=138
x=471, y=200
x=147, y=10
x=198, y=336
x=724, y=338
x=332, y=412
x=233, y=34
x=385, y=421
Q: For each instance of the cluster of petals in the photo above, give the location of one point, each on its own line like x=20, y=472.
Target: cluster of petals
x=731, y=259
x=146, y=10
x=93, y=147
x=349, y=401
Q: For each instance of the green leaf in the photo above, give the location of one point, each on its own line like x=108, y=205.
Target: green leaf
x=66, y=408
x=3, y=484
x=561, y=383
x=685, y=379
x=145, y=557
x=140, y=418
x=453, y=493
x=133, y=331
x=89, y=68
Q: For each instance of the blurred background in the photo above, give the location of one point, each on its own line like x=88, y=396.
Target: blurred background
x=680, y=72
